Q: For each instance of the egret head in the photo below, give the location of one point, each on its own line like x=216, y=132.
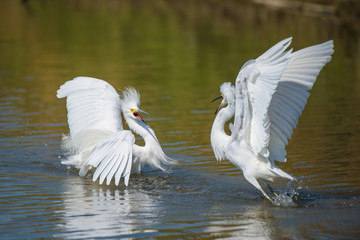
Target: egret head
x=130, y=103
x=227, y=95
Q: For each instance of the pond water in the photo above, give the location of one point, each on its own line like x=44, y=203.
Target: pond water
x=176, y=53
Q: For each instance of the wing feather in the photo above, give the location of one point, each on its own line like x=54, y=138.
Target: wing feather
x=112, y=156
x=114, y=169
x=271, y=93
x=125, y=172
x=92, y=104
x=292, y=93
x=121, y=168
x=105, y=166
x=275, y=51
x=255, y=85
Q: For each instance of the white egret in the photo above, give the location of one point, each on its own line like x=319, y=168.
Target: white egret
x=97, y=138
x=266, y=102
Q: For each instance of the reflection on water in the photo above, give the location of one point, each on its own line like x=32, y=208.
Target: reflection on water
x=176, y=53
x=91, y=213
x=254, y=223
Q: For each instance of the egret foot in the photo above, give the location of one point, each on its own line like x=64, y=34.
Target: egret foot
x=266, y=195
x=272, y=190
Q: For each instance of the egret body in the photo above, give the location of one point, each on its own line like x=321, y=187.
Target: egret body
x=97, y=138
x=266, y=102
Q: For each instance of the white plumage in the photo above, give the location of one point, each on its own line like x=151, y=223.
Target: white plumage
x=97, y=138
x=266, y=102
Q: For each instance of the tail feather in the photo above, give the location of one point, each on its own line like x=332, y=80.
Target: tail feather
x=281, y=173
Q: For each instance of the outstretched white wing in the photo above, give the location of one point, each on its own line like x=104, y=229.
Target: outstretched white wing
x=255, y=85
x=111, y=157
x=92, y=104
x=292, y=92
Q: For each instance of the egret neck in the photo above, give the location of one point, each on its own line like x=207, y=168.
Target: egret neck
x=220, y=140
x=151, y=153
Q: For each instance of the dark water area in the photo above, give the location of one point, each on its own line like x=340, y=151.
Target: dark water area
x=176, y=53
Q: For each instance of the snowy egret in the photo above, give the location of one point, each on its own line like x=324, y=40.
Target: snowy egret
x=266, y=102
x=97, y=138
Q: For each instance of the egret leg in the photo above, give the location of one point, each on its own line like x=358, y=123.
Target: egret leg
x=256, y=184
x=271, y=190
x=266, y=195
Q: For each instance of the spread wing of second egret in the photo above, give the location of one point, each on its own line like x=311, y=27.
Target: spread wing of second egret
x=97, y=138
x=266, y=102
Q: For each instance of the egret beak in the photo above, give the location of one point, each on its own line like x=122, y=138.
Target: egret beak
x=141, y=111
x=217, y=98
x=220, y=106
x=135, y=112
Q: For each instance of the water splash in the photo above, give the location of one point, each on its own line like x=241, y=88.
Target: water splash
x=288, y=198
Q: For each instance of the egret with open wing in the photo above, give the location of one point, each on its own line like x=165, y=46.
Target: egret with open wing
x=266, y=102
x=97, y=138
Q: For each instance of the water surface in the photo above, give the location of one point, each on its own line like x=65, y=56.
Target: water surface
x=176, y=54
